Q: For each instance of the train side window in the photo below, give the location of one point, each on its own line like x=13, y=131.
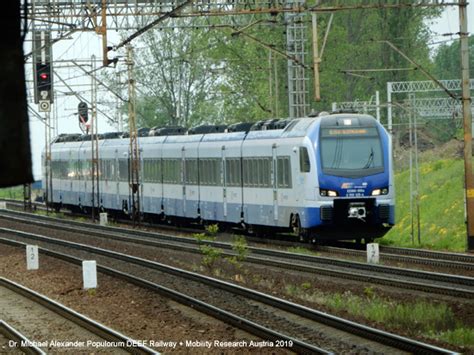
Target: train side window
x=305, y=166
x=233, y=172
x=79, y=169
x=228, y=173
x=236, y=172
x=191, y=171
x=203, y=172
x=177, y=171
x=283, y=172
x=247, y=168
x=123, y=170
x=146, y=170
x=159, y=170
x=268, y=172
x=217, y=172
x=166, y=168
x=101, y=168
x=213, y=172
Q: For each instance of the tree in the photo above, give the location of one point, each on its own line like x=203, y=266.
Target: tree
x=175, y=77
x=447, y=60
x=202, y=71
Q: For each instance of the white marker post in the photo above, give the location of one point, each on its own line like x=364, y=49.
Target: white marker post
x=373, y=253
x=103, y=219
x=3, y=205
x=89, y=274
x=32, y=260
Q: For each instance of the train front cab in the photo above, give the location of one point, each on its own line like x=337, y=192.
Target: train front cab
x=355, y=175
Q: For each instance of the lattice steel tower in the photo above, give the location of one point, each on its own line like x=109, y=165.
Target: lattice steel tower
x=295, y=42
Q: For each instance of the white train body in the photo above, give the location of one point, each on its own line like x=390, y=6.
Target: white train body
x=272, y=179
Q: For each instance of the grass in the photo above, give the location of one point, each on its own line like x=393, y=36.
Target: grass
x=15, y=192
x=433, y=320
x=441, y=199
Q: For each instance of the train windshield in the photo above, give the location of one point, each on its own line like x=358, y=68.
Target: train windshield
x=351, y=152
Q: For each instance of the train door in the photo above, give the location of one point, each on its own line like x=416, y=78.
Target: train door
x=224, y=182
x=183, y=178
x=274, y=182
x=140, y=178
x=117, y=180
x=85, y=175
x=71, y=176
x=134, y=183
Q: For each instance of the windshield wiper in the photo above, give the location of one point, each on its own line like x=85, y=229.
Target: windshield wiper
x=370, y=160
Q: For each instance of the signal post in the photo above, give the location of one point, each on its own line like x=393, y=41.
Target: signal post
x=467, y=118
x=43, y=94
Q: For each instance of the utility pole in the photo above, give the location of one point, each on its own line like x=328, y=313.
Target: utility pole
x=410, y=135
x=27, y=197
x=134, y=156
x=467, y=116
x=94, y=142
x=316, y=59
x=47, y=162
x=414, y=131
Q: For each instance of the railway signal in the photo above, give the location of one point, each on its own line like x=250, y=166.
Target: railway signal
x=82, y=110
x=43, y=69
x=43, y=78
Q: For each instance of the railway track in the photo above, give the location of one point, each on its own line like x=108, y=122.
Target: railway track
x=9, y=334
x=38, y=325
x=448, y=260
x=455, y=261
x=445, y=260
x=299, y=328
x=432, y=282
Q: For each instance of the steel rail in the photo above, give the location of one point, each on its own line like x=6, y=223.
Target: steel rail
x=130, y=345
x=417, y=256
x=459, y=260
x=292, y=257
x=306, y=312
x=232, y=319
x=412, y=255
x=11, y=333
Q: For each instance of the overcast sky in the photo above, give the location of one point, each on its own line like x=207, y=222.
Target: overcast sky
x=84, y=45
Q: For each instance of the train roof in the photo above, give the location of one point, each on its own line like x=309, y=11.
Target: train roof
x=299, y=127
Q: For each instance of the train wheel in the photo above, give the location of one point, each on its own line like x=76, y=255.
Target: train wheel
x=302, y=233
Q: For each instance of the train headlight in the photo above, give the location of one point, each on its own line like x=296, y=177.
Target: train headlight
x=328, y=193
x=379, y=192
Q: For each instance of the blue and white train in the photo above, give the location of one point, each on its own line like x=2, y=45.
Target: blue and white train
x=326, y=177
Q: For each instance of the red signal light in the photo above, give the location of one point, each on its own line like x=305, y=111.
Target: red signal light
x=43, y=76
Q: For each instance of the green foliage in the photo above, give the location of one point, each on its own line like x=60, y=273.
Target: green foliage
x=430, y=319
x=203, y=72
x=200, y=237
x=441, y=205
x=369, y=292
x=210, y=255
x=356, y=41
x=306, y=285
x=459, y=336
x=240, y=247
x=212, y=229
x=447, y=60
x=15, y=193
x=301, y=250
x=415, y=317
